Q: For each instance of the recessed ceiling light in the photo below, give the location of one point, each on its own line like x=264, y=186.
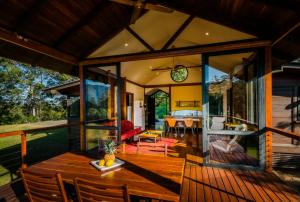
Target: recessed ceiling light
x=126, y=44
x=207, y=33
x=150, y=67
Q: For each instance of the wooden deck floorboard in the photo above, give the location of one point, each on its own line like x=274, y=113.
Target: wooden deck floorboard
x=218, y=184
x=202, y=183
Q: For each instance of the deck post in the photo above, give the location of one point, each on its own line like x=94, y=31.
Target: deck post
x=261, y=111
x=23, y=149
x=119, y=109
x=268, y=105
x=205, y=109
x=82, y=109
x=265, y=108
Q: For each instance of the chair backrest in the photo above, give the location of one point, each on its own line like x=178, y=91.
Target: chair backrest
x=200, y=123
x=171, y=122
x=153, y=146
x=43, y=187
x=126, y=126
x=90, y=191
x=217, y=123
x=242, y=127
x=188, y=122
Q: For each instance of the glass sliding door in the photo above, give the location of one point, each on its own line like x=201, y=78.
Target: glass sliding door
x=102, y=100
x=231, y=119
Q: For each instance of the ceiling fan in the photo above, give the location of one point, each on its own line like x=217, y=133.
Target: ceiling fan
x=167, y=68
x=139, y=5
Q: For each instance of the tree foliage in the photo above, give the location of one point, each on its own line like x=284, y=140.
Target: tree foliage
x=22, y=98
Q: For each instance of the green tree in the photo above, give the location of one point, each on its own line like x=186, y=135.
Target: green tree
x=22, y=98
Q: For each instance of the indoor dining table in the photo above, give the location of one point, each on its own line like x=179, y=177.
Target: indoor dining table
x=148, y=176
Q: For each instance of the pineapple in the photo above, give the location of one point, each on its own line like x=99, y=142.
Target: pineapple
x=109, y=148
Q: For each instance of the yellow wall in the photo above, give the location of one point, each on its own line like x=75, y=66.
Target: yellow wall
x=186, y=93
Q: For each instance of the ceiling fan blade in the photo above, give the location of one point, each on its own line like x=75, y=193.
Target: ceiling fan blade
x=162, y=69
x=194, y=66
x=157, y=7
x=126, y=2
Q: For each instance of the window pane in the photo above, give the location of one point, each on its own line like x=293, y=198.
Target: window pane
x=101, y=92
x=232, y=120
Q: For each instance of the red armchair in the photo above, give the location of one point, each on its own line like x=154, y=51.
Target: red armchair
x=128, y=130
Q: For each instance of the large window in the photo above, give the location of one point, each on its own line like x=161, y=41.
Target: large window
x=101, y=122
x=100, y=98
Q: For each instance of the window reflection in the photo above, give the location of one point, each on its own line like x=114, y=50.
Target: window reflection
x=100, y=98
x=232, y=120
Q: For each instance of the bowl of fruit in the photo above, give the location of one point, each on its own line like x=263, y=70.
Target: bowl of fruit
x=109, y=161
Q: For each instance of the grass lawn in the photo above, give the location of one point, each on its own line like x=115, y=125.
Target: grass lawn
x=40, y=146
x=26, y=126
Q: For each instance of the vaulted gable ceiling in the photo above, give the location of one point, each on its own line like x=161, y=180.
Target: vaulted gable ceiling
x=156, y=28
x=79, y=27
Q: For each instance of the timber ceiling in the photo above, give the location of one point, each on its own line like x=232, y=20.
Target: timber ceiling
x=79, y=27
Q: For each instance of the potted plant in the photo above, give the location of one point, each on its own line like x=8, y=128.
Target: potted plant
x=109, y=149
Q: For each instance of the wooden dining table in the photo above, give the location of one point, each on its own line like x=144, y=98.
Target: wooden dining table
x=149, y=176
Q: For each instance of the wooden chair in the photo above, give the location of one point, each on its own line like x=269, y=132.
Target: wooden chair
x=43, y=187
x=153, y=145
x=232, y=145
x=90, y=191
x=218, y=123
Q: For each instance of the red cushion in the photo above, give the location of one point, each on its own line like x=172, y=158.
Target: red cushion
x=126, y=126
x=128, y=131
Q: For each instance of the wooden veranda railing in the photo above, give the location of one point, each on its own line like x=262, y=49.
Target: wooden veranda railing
x=23, y=134
x=285, y=133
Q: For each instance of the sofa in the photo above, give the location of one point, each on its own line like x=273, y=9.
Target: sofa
x=128, y=130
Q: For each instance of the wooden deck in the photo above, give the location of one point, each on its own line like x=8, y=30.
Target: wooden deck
x=238, y=158
x=202, y=183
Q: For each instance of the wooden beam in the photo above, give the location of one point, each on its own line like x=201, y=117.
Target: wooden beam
x=173, y=85
x=288, y=5
x=28, y=15
x=123, y=99
x=135, y=83
x=106, y=38
x=268, y=106
x=192, y=50
x=35, y=46
x=119, y=91
x=178, y=32
x=81, y=23
x=286, y=33
x=140, y=39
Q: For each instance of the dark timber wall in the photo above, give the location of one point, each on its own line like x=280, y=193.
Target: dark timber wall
x=286, y=85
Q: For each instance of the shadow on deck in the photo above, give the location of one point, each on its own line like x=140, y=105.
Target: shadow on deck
x=201, y=183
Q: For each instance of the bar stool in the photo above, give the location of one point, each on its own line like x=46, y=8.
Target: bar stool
x=171, y=122
x=189, y=123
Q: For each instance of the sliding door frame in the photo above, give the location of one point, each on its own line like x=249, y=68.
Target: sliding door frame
x=264, y=102
x=83, y=114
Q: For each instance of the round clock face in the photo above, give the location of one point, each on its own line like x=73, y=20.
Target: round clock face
x=179, y=73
